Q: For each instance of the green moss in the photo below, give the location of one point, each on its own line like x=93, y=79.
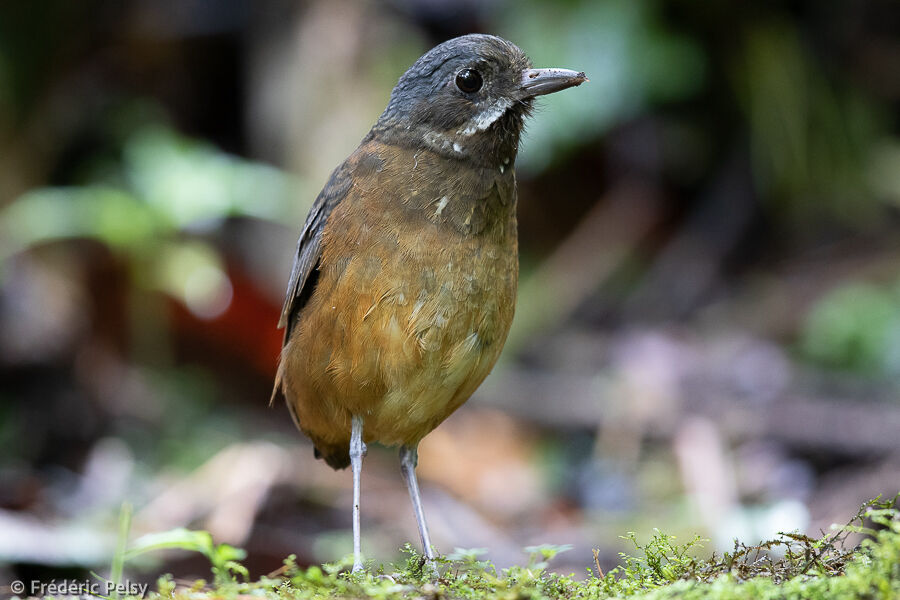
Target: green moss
x=790, y=566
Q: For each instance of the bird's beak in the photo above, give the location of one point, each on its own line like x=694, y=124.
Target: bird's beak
x=537, y=82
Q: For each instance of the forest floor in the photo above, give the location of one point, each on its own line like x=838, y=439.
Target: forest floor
x=788, y=566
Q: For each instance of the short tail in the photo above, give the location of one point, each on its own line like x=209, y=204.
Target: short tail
x=336, y=455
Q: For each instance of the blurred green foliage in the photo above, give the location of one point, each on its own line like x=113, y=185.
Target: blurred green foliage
x=146, y=204
x=811, y=136
x=856, y=327
x=223, y=557
x=633, y=60
x=164, y=183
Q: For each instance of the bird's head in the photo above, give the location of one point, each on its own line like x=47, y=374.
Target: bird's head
x=467, y=99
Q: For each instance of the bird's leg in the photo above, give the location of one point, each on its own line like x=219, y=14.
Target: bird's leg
x=357, y=451
x=409, y=456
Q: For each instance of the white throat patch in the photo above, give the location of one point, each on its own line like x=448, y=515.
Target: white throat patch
x=486, y=118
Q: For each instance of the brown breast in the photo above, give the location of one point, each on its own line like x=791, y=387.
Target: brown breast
x=414, y=300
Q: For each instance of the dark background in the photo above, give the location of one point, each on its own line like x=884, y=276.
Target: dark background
x=708, y=333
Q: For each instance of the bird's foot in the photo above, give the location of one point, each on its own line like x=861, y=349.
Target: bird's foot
x=430, y=566
x=430, y=570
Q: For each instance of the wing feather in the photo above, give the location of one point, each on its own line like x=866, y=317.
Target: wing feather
x=304, y=273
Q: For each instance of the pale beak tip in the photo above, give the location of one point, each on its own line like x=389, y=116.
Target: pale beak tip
x=537, y=82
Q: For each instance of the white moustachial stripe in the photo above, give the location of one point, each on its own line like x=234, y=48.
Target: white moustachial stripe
x=485, y=118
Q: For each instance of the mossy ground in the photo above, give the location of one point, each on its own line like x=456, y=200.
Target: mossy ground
x=790, y=566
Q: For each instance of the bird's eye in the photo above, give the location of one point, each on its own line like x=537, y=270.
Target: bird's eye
x=469, y=81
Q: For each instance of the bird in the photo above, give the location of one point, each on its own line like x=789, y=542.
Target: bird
x=403, y=285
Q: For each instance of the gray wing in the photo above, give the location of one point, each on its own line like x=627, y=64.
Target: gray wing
x=304, y=273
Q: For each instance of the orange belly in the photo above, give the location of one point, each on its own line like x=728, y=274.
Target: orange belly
x=401, y=328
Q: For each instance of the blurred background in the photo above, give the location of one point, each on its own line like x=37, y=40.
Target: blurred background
x=708, y=333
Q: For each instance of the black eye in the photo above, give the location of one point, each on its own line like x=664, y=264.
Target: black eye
x=469, y=81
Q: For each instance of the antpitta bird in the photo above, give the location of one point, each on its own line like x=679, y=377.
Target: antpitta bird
x=404, y=283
